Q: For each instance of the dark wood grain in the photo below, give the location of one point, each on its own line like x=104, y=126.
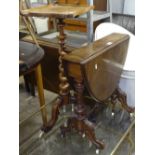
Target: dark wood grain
x=98, y=67
x=99, y=64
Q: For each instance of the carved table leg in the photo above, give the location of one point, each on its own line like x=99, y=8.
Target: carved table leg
x=82, y=124
x=83, y=127
x=122, y=97
x=64, y=85
x=54, y=115
x=89, y=131
x=113, y=102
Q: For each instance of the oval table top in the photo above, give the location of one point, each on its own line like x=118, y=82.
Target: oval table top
x=99, y=64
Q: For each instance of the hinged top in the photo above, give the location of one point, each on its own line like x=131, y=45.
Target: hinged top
x=99, y=64
x=96, y=48
x=57, y=11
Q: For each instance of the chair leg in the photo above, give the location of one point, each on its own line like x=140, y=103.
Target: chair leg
x=26, y=83
x=29, y=84
x=38, y=74
x=32, y=84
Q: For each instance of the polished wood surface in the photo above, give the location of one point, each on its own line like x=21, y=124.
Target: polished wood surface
x=58, y=11
x=99, y=64
x=88, y=53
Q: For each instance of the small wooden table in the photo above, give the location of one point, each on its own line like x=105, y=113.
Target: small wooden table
x=98, y=68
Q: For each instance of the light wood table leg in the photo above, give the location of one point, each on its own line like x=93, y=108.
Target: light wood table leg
x=38, y=74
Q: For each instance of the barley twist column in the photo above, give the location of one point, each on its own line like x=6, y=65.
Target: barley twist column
x=64, y=85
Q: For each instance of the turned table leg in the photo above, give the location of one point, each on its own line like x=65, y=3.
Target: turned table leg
x=80, y=122
x=54, y=115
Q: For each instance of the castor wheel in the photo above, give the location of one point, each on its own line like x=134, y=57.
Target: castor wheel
x=65, y=124
x=63, y=130
x=112, y=114
x=132, y=116
x=97, y=151
x=73, y=107
x=41, y=134
x=83, y=135
x=62, y=133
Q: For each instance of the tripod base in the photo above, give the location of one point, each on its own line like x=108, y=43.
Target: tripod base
x=84, y=127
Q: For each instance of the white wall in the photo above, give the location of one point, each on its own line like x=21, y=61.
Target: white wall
x=129, y=7
x=123, y=6
x=117, y=6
